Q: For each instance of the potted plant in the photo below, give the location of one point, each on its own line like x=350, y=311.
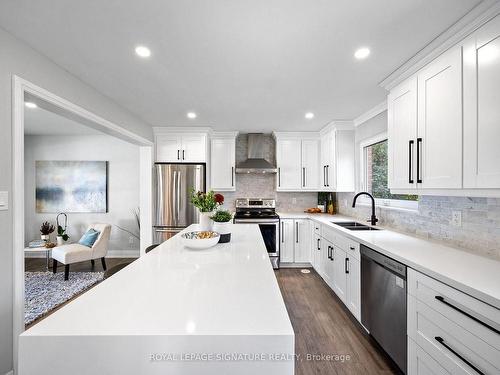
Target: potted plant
x=206, y=204
x=45, y=230
x=62, y=236
x=222, y=224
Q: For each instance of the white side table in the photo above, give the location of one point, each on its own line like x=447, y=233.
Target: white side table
x=45, y=250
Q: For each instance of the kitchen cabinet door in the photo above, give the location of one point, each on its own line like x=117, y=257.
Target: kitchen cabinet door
x=287, y=241
x=316, y=252
x=310, y=164
x=421, y=363
x=481, y=64
x=222, y=161
x=168, y=148
x=402, y=134
x=353, y=290
x=288, y=157
x=339, y=273
x=194, y=148
x=327, y=152
x=327, y=262
x=302, y=241
x=439, y=142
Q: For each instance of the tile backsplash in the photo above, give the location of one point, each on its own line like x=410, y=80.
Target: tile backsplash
x=264, y=185
x=479, y=232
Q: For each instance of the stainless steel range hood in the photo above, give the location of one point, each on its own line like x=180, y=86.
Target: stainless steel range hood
x=258, y=147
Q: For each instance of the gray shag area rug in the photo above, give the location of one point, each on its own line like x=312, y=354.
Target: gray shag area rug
x=44, y=291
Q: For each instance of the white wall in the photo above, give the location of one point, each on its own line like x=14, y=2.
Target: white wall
x=19, y=59
x=123, y=185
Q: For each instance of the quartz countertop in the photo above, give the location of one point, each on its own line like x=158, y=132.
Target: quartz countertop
x=473, y=274
x=173, y=300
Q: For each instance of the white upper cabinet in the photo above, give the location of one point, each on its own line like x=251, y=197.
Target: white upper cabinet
x=337, y=170
x=223, y=163
x=481, y=59
x=439, y=141
x=310, y=162
x=402, y=134
x=180, y=147
x=297, y=159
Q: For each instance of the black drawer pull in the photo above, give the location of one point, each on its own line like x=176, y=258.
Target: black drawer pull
x=319, y=245
x=441, y=341
x=456, y=308
x=346, y=265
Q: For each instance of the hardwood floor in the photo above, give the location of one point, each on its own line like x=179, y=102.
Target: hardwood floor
x=40, y=265
x=324, y=326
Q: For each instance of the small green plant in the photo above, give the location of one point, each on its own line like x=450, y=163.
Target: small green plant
x=46, y=228
x=222, y=216
x=206, y=202
x=61, y=232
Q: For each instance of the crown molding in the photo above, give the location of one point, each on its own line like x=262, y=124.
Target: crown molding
x=478, y=16
x=337, y=125
x=225, y=135
x=371, y=113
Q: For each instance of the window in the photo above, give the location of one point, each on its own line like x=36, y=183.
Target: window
x=374, y=178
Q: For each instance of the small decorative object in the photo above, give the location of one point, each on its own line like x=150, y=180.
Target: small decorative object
x=71, y=186
x=200, y=239
x=50, y=245
x=62, y=236
x=313, y=210
x=222, y=224
x=45, y=230
x=206, y=204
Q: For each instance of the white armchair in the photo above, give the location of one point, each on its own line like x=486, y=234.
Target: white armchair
x=73, y=253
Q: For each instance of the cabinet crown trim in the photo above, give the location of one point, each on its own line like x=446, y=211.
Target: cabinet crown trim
x=159, y=130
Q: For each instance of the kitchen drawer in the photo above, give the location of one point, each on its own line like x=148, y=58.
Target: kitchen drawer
x=421, y=363
x=479, y=318
x=353, y=249
x=456, y=348
x=316, y=228
x=329, y=233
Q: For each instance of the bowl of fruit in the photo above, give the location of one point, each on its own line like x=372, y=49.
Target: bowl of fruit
x=200, y=239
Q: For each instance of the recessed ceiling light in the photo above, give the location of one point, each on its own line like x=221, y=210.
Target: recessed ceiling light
x=30, y=105
x=309, y=115
x=142, y=51
x=362, y=53
x=191, y=115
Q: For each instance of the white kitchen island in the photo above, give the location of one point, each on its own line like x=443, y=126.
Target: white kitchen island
x=172, y=311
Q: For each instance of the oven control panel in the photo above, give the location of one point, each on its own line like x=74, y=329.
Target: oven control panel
x=255, y=203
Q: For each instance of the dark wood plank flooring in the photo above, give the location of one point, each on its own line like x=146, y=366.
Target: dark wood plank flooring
x=40, y=265
x=323, y=325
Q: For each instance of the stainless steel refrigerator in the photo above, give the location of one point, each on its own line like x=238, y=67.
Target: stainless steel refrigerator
x=173, y=209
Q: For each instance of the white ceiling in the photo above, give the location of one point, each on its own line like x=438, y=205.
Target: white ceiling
x=248, y=65
x=40, y=121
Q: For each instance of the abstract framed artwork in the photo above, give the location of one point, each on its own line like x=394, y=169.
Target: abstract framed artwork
x=71, y=186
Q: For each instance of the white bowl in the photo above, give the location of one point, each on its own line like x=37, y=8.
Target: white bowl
x=192, y=241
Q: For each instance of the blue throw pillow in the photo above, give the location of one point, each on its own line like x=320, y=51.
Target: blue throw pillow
x=89, y=238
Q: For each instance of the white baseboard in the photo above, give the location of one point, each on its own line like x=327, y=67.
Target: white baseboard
x=111, y=254
x=123, y=253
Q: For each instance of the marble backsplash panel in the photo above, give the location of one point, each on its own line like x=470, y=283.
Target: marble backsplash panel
x=479, y=232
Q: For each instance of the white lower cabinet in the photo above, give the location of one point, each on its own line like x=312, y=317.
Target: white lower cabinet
x=353, y=291
x=295, y=241
x=339, y=273
x=451, y=328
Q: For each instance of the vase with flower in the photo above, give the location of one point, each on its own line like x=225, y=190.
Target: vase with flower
x=206, y=203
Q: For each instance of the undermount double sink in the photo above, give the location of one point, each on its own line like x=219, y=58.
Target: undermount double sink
x=353, y=225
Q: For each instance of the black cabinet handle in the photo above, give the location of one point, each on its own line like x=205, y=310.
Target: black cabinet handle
x=303, y=177
x=329, y=252
x=297, y=231
x=455, y=306
x=183, y=154
x=324, y=175
x=319, y=243
x=232, y=176
x=346, y=265
x=419, y=145
x=441, y=341
x=279, y=177
x=410, y=161
x=282, y=232
x=328, y=175
x=178, y=154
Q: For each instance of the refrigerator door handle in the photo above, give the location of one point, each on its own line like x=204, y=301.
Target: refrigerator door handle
x=178, y=194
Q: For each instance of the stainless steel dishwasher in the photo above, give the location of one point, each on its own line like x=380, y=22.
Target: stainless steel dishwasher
x=383, y=303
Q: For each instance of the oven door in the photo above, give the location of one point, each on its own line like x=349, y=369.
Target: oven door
x=270, y=234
